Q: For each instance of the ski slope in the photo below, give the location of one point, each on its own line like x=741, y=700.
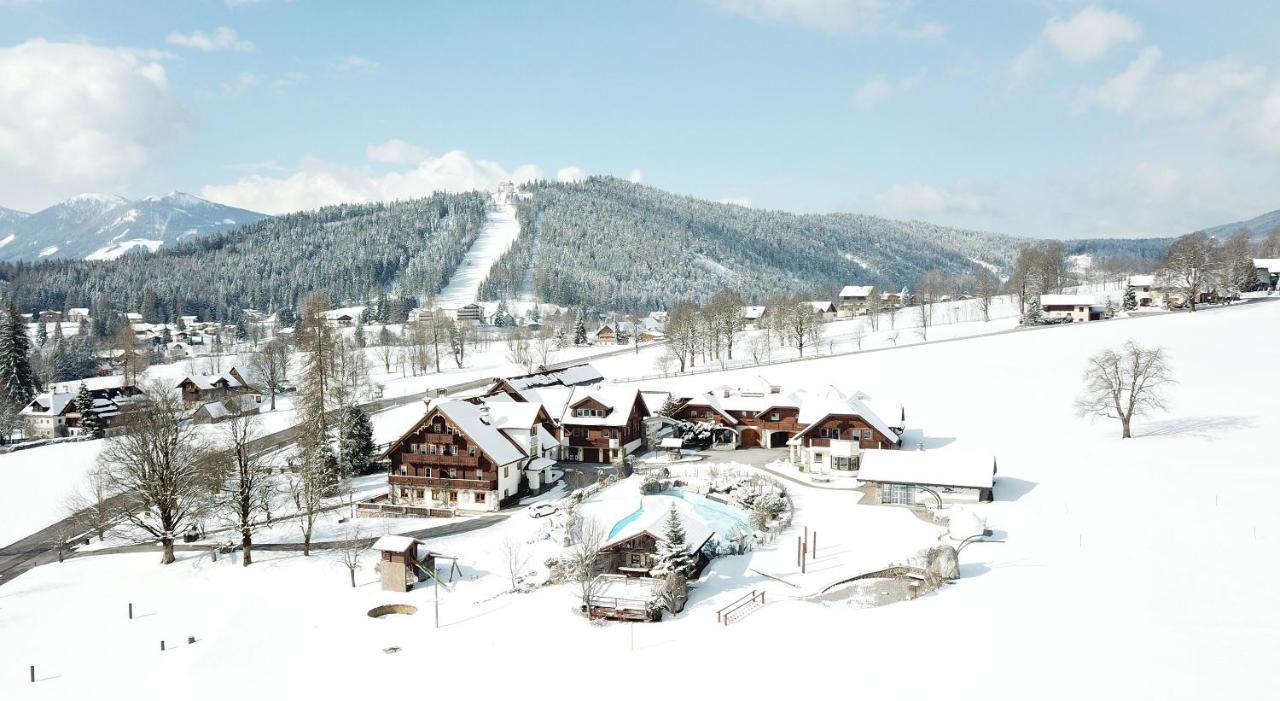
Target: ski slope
x=500, y=231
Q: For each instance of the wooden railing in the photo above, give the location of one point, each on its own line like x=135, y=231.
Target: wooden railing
x=440, y=482
x=748, y=599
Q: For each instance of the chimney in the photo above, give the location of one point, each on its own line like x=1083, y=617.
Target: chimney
x=920, y=446
x=484, y=414
x=726, y=392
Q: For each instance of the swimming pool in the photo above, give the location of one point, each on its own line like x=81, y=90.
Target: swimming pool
x=722, y=518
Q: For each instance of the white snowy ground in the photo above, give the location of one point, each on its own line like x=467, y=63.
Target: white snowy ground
x=500, y=230
x=36, y=483
x=1132, y=569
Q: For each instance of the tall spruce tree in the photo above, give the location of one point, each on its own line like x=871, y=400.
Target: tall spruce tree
x=1130, y=299
x=673, y=556
x=355, y=442
x=17, y=380
x=90, y=422
x=580, y=330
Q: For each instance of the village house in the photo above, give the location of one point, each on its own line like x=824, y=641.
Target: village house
x=896, y=300
x=518, y=387
x=1268, y=270
x=78, y=314
x=1144, y=292
x=198, y=389
x=1076, y=308
x=607, y=333
x=824, y=429
x=855, y=299
x=339, y=319
x=54, y=414
x=826, y=309
x=469, y=312
x=600, y=424
x=49, y=317
x=753, y=317
x=918, y=476
x=228, y=407
x=470, y=456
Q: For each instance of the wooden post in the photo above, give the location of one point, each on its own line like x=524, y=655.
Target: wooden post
x=161, y=646
x=799, y=545
x=131, y=611
x=815, y=545
x=33, y=674
x=436, y=601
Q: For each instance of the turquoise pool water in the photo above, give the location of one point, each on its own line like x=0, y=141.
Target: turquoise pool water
x=722, y=518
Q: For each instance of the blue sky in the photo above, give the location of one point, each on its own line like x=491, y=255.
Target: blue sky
x=1028, y=117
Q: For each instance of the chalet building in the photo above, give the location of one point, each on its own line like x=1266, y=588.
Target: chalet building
x=607, y=333
x=753, y=316
x=229, y=407
x=78, y=314
x=49, y=317
x=917, y=476
x=826, y=309
x=54, y=414
x=821, y=430
x=896, y=300
x=199, y=389
x=518, y=387
x=339, y=319
x=633, y=550
x=601, y=424
x=471, y=456
x=855, y=299
x=470, y=312
x=1073, y=307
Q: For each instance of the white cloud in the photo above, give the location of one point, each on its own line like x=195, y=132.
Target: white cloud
x=881, y=87
x=571, y=174
x=1121, y=92
x=858, y=17
x=354, y=64
x=241, y=84
x=78, y=116
x=740, y=201
x=1089, y=34
x=220, y=39
x=317, y=183
x=395, y=151
x=1267, y=130
x=636, y=176
x=912, y=199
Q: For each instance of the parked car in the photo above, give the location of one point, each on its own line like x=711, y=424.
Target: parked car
x=544, y=509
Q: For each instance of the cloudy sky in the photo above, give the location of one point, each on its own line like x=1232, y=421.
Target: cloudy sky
x=1037, y=117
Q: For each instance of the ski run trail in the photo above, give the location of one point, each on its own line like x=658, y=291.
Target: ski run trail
x=500, y=231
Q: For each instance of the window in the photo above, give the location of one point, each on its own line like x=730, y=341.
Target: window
x=822, y=433
x=453, y=496
x=480, y=497
x=450, y=472
x=471, y=451
x=431, y=448
x=479, y=474
x=897, y=494
x=448, y=430
x=866, y=434
x=506, y=471
x=817, y=457
x=637, y=560
x=426, y=472
x=773, y=416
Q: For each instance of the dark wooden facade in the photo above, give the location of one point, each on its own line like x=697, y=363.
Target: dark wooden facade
x=436, y=459
x=588, y=442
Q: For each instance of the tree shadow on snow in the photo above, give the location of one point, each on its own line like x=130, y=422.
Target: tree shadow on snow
x=1012, y=488
x=1208, y=427
x=974, y=569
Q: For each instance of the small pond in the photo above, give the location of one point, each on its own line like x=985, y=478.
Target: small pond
x=723, y=518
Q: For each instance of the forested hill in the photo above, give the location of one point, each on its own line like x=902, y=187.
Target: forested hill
x=611, y=243
x=352, y=252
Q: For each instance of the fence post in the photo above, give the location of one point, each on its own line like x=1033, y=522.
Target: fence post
x=33, y=674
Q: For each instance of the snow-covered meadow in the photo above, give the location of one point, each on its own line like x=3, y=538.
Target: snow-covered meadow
x=1141, y=568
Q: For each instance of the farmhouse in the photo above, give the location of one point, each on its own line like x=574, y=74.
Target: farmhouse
x=1268, y=270
x=856, y=299
x=471, y=455
x=607, y=333
x=753, y=317
x=601, y=424
x=928, y=476
x=826, y=309
x=820, y=429
x=1072, y=307
x=54, y=414
x=198, y=389
x=1143, y=287
x=222, y=409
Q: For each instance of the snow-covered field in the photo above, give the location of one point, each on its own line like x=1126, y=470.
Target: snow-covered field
x=34, y=485
x=1131, y=569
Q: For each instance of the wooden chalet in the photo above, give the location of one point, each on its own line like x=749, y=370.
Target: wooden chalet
x=632, y=551
x=602, y=424
x=199, y=389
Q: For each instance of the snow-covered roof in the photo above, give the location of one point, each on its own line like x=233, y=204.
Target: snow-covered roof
x=654, y=400
x=829, y=401
x=49, y=404
x=856, y=290
x=1142, y=280
x=942, y=467
x=1068, y=301
x=1271, y=264
x=821, y=306
x=618, y=399
x=753, y=312
x=480, y=429
x=653, y=521
x=539, y=464
x=394, y=543
x=672, y=443
x=582, y=374
x=208, y=381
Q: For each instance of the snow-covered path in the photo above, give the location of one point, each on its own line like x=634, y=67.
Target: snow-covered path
x=500, y=231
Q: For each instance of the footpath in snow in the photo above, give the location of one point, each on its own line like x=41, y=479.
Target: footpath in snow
x=500, y=231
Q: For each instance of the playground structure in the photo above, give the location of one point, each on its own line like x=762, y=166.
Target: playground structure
x=405, y=561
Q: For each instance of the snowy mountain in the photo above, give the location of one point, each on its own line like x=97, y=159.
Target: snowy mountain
x=101, y=227
x=1258, y=227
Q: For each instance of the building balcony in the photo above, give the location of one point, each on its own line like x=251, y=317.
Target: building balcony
x=398, y=480
x=432, y=460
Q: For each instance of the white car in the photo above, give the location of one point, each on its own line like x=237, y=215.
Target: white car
x=541, y=510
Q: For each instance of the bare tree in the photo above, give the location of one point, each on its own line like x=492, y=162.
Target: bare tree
x=158, y=463
x=761, y=346
x=584, y=558
x=1271, y=245
x=893, y=337
x=90, y=505
x=683, y=334
x=875, y=302
x=1124, y=383
x=518, y=349
x=931, y=287
x=1188, y=265
x=386, y=347
x=859, y=332
x=458, y=334
x=245, y=484
x=985, y=287
x=270, y=366
x=797, y=323
x=514, y=557
x=543, y=344
x=349, y=553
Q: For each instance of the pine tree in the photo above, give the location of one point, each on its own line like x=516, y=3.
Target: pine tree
x=1130, y=299
x=89, y=421
x=42, y=333
x=1033, y=315
x=580, y=330
x=673, y=552
x=355, y=442
x=358, y=336
x=17, y=381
